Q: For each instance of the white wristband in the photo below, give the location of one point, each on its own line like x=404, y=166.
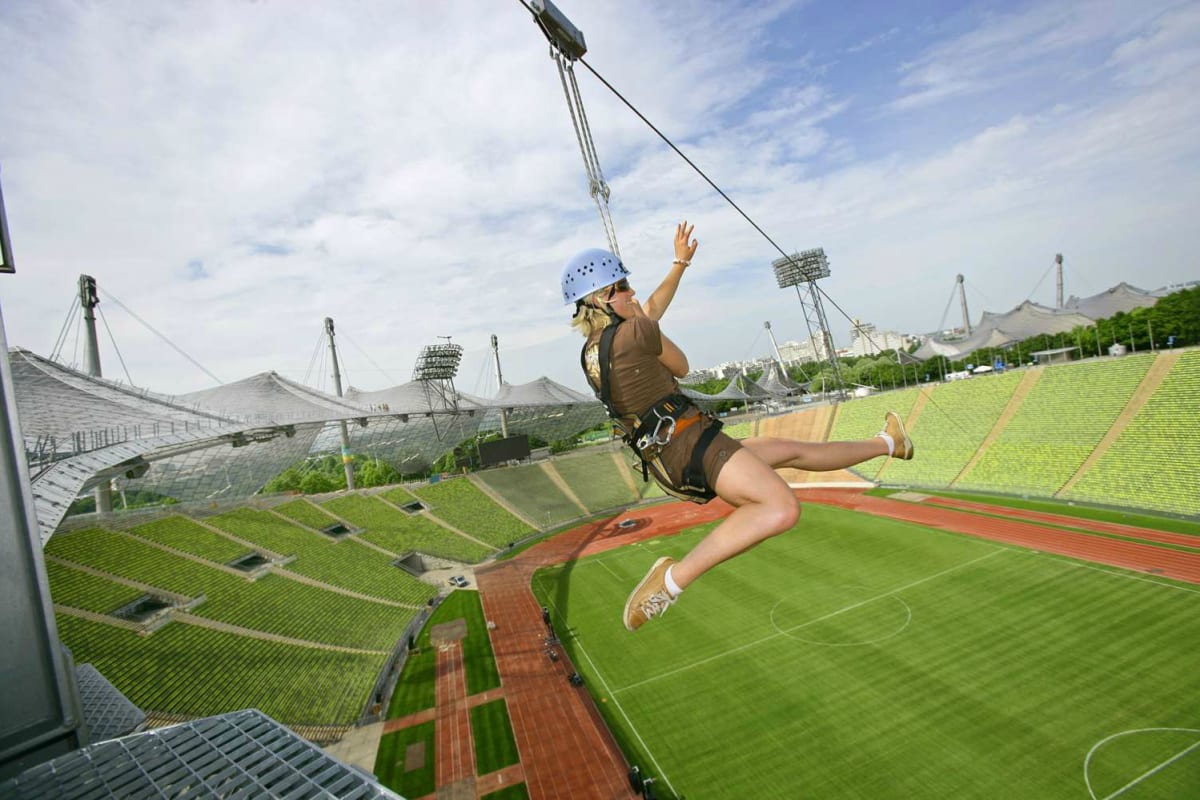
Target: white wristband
x=683, y=262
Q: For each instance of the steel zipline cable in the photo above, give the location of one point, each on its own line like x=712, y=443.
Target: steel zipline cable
x=560, y=57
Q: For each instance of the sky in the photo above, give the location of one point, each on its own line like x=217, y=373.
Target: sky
x=233, y=173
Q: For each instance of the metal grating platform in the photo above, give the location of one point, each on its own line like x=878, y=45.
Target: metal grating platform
x=243, y=754
x=107, y=712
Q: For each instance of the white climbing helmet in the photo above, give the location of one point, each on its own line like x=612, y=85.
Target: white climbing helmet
x=588, y=271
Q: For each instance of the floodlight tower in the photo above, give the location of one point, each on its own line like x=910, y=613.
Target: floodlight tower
x=805, y=269
x=347, y=459
x=436, y=366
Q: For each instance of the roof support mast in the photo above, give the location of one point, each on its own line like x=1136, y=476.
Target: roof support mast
x=1059, y=296
x=347, y=459
x=962, y=296
x=566, y=47
x=499, y=383
x=88, y=300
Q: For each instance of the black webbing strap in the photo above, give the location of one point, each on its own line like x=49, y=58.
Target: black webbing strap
x=695, y=486
x=693, y=474
x=606, y=340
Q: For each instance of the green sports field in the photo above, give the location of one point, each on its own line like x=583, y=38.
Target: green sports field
x=861, y=657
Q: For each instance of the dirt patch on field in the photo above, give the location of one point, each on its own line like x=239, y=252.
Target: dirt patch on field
x=414, y=756
x=448, y=632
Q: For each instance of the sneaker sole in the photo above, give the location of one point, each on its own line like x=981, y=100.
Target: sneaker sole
x=638, y=588
x=907, y=442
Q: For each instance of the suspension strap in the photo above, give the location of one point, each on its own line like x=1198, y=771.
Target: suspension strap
x=597, y=186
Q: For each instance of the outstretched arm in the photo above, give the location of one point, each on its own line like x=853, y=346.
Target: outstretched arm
x=685, y=248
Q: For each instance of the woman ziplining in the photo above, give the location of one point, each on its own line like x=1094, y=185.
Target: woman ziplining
x=634, y=369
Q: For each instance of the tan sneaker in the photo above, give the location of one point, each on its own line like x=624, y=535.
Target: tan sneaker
x=894, y=427
x=649, y=598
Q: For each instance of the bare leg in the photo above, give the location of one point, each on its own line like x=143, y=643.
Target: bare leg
x=814, y=456
x=764, y=507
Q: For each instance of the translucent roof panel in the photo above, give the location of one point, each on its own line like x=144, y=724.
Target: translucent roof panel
x=229, y=441
x=270, y=397
x=1121, y=297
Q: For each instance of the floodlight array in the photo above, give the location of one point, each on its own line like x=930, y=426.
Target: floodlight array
x=438, y=362
x=804, y=267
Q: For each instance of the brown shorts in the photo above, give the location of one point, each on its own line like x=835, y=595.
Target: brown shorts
x=676, y=455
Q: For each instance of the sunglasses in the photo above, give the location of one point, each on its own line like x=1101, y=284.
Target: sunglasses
x=620, y=286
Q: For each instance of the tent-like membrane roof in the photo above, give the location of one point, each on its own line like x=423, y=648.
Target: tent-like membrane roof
x=228, y=441
x=1031, y=319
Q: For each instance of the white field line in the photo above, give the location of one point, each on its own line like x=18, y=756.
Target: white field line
x=616, y=702
x=756, y=642
x=1148, y=773
x=610, y=570
x=1069, y=560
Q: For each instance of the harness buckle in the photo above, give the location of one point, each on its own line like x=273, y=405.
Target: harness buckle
x=654, y=437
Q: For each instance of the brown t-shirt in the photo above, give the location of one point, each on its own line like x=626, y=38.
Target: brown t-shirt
x=637, y=378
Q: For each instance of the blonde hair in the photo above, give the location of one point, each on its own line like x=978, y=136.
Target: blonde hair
x=590, y=319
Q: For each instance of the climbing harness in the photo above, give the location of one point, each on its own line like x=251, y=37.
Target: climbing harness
x=649, y=434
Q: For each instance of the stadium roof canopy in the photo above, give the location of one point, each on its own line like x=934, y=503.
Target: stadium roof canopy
x=228, y=441
x=1031, y=319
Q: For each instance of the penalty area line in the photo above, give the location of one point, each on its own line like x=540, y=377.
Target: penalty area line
x=1150, y=772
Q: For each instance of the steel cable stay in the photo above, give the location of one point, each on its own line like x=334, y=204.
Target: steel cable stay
x=61, y=341
x=367, y=356
x=162, y=336
x=312, y=359
x=113, y=339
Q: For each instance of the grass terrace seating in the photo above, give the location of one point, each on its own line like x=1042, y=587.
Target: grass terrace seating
x=346, y=564
x=461, y=503
x=272, y=604
x=77, y=589
x=532, y=493
x=306, y=513
x=190, y=536
x=186, y=669
x=398, y=495
x=1152, y=464
x=957, y=417
x=594, y=477
x=862, y=418
x=297, y=610
x=1057, y=426
x=128, y=558
x=401, y=533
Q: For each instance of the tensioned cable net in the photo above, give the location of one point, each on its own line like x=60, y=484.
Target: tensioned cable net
x=226, y=442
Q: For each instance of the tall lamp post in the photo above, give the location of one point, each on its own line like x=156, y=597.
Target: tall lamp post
x=802, y=270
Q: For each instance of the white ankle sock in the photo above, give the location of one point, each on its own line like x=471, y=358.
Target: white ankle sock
x=891, y=443
x=671, y=586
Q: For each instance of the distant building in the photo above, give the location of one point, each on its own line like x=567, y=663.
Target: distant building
x=866, y=340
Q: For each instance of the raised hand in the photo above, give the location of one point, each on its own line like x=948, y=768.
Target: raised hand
x=685, y=249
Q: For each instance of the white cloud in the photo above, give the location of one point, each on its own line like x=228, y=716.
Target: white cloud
x=237, y=172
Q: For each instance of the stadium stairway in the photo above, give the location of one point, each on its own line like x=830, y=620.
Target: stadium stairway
x=910, y=424
x=1158, y=371
x=557, y=480
x=810, y=425
x=1028, y=381
x=500, y=501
